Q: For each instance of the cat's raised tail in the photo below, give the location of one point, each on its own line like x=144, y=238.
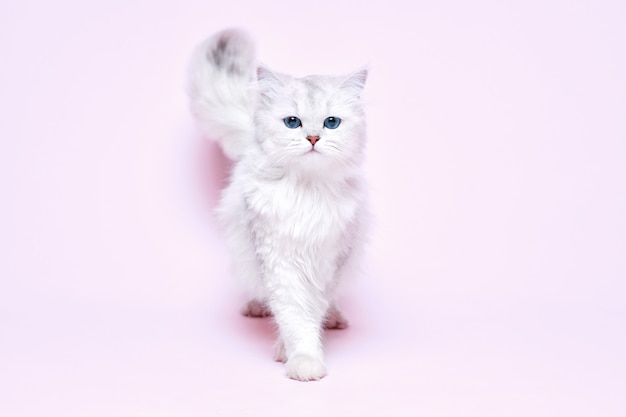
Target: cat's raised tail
x=220, y=86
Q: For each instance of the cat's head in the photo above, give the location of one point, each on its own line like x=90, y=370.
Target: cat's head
x=314, y=124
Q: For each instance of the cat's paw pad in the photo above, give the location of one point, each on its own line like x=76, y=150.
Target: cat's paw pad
x=255, y=308
x=335, y=320
x=305, y=368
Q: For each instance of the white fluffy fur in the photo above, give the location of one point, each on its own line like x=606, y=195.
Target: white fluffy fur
x=293, y=212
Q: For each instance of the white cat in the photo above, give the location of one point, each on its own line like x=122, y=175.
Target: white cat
x=294, y=210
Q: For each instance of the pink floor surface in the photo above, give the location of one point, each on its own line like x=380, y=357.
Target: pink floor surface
x=495, y=280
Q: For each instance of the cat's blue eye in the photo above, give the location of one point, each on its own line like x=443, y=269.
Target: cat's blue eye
x=332, y=122
x=292, y=122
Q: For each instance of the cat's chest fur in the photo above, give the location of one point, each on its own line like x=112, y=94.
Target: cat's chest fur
x=303, y=212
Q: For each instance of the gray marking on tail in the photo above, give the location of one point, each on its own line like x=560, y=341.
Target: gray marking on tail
x=223, y=55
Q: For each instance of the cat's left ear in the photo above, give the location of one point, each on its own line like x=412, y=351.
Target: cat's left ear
x=266, y=75
x=268, y=82
x=355, y=82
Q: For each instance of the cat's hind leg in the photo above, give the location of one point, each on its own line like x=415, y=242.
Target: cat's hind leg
x=335, y=319
x=256, y=308
x=279, y=351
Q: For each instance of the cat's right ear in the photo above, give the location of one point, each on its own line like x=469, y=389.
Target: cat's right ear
x=355, y=82
x=268, y=81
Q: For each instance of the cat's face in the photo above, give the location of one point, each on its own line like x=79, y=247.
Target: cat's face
x=311, y=124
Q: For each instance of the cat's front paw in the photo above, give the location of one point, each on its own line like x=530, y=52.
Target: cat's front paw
x=305, y=368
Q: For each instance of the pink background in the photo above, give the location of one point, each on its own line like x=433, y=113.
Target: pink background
x=494, y=284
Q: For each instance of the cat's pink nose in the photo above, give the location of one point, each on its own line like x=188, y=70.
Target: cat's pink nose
x=312, y=139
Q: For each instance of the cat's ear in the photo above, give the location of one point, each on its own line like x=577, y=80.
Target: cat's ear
x=266, y=76
x=268, y=81
x=355, y=82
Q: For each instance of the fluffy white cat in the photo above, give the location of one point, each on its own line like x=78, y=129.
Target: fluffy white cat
x=294, y=211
